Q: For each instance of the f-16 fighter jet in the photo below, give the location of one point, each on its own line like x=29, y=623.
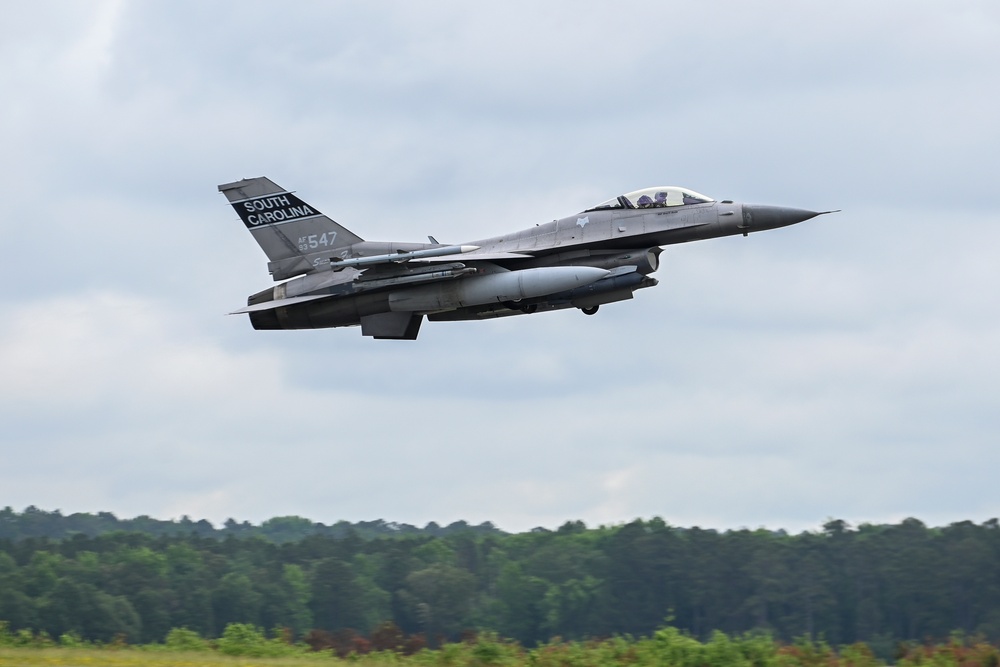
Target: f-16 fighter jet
x=331, y=277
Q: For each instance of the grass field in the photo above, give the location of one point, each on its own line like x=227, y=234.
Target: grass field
x=668, y=647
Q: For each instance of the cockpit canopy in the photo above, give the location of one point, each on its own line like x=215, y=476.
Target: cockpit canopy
x=659, y=197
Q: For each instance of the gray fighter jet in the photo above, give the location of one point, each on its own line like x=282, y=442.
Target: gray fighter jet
x=333, y=278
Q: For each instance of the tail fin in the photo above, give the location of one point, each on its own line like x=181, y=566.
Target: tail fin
x=294, y=235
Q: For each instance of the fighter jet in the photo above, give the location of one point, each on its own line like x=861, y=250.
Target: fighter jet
x=331, y=277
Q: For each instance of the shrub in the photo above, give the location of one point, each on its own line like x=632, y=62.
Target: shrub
x=182, y=639
x=243, y=639
x=71, y=639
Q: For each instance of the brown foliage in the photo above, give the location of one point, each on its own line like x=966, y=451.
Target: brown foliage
x=414, y=644
x=956, y=652
x=387, y=637
x=319, y=640
x=345, y=641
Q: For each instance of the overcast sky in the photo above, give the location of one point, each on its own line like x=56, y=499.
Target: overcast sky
x=846, y=367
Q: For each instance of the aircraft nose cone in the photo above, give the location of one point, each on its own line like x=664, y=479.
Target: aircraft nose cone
x=769, y=217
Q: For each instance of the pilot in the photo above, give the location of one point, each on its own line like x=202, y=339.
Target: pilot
x=645, y=201
x=661, y=198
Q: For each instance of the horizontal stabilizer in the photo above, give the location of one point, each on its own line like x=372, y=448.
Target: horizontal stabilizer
x=279, y=303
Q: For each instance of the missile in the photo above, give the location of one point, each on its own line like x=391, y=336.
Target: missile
x=445, y=272
x=338, y=264
x=494, y=287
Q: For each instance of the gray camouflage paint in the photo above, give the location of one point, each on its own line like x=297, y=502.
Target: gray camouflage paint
x=596, y=257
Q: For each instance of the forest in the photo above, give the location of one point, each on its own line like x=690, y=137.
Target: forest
x=102, y=579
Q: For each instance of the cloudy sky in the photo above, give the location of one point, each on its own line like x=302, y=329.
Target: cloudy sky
x=847, y=367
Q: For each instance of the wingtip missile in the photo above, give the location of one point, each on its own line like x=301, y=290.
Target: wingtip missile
x=399, y=257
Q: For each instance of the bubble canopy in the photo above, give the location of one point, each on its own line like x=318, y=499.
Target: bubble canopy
x=656, y=197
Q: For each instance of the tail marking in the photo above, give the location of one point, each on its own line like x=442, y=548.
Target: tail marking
x=273, y=209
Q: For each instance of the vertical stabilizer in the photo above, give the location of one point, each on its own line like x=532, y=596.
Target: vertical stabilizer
x=287, y=229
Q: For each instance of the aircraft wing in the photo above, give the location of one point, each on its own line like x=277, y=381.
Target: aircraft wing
x=279, y=303
x=373, y=275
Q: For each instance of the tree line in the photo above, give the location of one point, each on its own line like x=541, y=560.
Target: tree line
x=34, y=522
x=874, y=583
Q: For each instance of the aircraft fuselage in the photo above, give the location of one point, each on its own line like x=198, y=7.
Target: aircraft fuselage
x=599, y=256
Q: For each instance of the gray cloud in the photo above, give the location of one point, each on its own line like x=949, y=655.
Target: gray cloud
x=844, y=367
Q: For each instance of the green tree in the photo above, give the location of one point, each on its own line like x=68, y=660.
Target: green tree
x=442, y=597
x=297, y=613
x=93, y=614
x=573, y=608
x=335, y=596
x=519, y=610
x=236, y=600
x=42, y=573
x=191, y=583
